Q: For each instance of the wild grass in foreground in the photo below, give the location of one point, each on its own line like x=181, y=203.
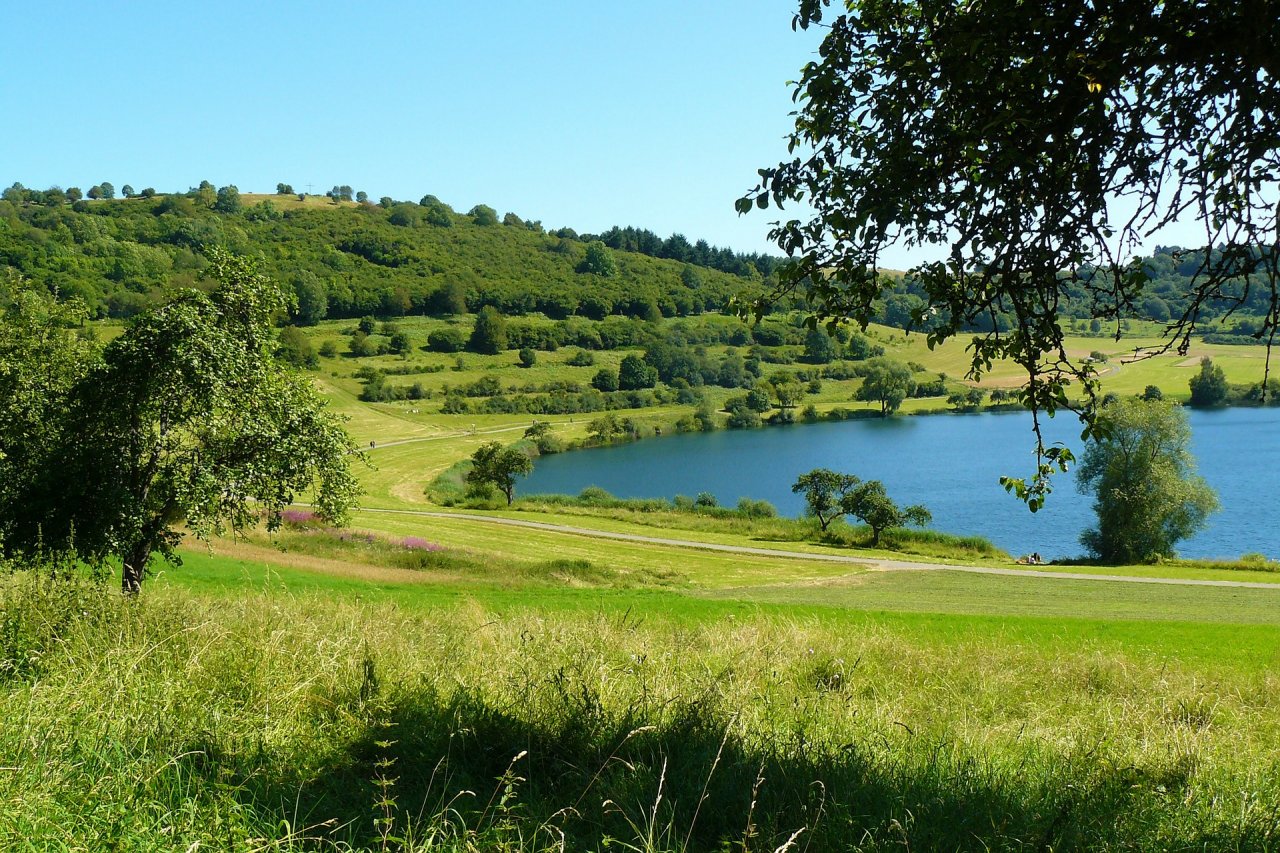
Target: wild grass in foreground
x=275, y=722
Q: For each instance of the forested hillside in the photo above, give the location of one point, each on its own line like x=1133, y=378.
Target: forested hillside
x=345, y=256
x=348, y=259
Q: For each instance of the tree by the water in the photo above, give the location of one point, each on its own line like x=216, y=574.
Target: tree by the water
x=824, y=490
x=871, y=504
x=993, y=138
x=186, y=420
x=886, y=382
x=1141, y=473
x=498, y=466
x=1209, y=386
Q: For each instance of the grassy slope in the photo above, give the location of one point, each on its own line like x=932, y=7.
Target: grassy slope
x=1210, y=625
x=291, y=703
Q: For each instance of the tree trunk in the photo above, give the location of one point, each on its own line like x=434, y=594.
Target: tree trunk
x=135, y=569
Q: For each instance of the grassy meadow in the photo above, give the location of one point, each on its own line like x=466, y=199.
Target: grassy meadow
x=438, y=682
x=309, y=691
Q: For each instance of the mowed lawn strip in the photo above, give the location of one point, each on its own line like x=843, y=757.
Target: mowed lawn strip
x=394, y=523
x=1208, y=627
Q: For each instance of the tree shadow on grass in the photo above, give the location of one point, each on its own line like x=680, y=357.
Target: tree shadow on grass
x=684, y=777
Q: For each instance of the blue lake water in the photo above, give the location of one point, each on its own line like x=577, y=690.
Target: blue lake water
x=949, y=463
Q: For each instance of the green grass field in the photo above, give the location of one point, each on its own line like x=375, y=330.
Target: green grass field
x=304, y=692
x=519, y=689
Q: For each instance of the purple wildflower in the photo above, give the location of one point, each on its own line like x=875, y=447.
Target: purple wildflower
x=415, y=543
x=298, y=517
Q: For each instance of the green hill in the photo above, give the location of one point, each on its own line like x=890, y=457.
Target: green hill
x=349, y=259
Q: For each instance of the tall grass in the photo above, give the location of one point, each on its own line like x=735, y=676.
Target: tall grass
x=274, y=722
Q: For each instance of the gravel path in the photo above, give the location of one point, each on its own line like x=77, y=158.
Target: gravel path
x=864, y=562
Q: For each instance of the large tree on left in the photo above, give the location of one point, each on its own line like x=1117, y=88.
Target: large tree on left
x=184, y=420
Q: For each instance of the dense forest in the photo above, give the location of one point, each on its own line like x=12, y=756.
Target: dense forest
x=345, y=256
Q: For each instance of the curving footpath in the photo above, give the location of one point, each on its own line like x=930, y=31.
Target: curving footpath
x=864, y=562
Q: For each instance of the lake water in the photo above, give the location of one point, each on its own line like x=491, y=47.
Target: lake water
x=949, y=463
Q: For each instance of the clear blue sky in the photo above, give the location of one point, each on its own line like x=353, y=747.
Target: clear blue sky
x=655, y=114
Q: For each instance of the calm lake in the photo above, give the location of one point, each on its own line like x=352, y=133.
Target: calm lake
x=949, y=463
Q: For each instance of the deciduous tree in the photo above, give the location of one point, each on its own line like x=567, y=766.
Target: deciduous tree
x=871, y=504
x=823, y=491
x=228, y=199
x=1209, y=386
x=598, y=261
x=312, y=299
x=1141, y=473
x=820, y=347
x=606, y=379
x=886, y=382
x=634, y=374
x=499, y=466
x=186, y=421
x=993, y=138
x=490, y=333
x=483, y=214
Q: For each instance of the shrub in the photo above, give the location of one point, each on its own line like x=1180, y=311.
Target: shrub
x=750, y=508
x=594, y=496
x=605, y=380
x=447, y=340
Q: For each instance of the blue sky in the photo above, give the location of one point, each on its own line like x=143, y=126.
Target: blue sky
x=655, y=114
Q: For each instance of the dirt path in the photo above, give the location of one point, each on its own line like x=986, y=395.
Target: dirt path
x=875, y=563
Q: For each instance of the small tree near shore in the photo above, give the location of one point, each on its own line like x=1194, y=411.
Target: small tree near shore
x=870, y=504
x=886, y=382
x=1209, y=386
x=824, y=490
x=1146, y=493
x=495, y=465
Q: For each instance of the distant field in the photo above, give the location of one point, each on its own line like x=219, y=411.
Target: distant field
x=411, y=442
